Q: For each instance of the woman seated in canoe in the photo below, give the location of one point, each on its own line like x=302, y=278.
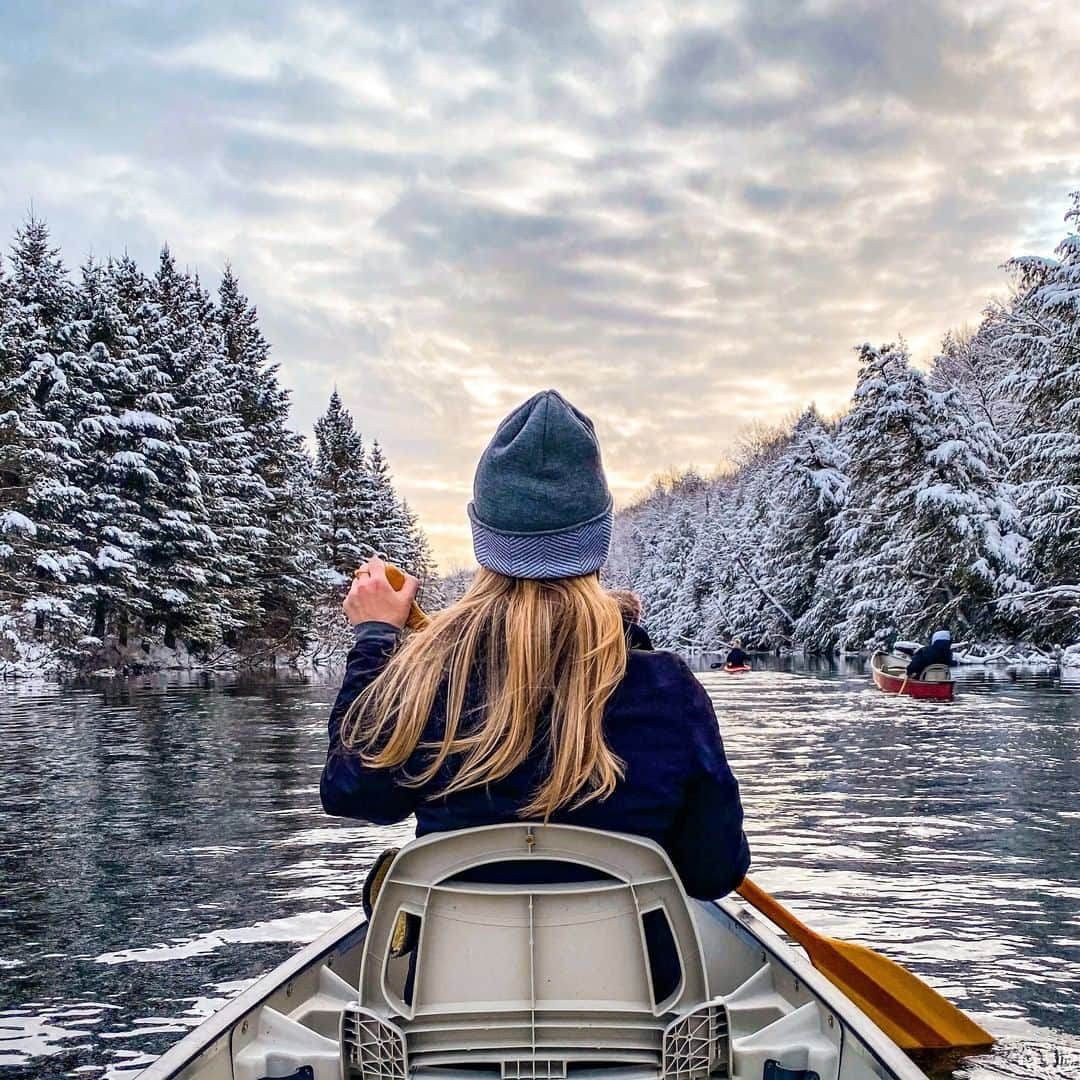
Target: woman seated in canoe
x=524, y=699
x=736, y=657
x=939, y=651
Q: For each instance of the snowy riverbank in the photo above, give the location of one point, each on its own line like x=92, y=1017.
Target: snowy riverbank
x=35, y=660
x=30, y=660
x=981, y=655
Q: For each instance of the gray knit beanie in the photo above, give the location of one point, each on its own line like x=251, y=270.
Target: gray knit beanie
x=541, y=506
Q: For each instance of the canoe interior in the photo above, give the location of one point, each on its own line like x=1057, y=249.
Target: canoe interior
x=289, y=1024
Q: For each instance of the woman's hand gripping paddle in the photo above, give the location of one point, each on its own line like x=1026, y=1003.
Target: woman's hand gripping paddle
x=416, y=619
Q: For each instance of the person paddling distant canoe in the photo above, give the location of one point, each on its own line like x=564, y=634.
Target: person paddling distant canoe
x=523, y=700
x=736, y=657
x=939, y=651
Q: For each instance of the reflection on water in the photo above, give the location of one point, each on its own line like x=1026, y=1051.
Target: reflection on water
x=161, y=844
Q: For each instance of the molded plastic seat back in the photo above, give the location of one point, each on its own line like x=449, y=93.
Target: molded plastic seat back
x=531, y=956
x=937, y=673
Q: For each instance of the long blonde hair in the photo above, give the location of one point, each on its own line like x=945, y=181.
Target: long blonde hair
x=534, y=645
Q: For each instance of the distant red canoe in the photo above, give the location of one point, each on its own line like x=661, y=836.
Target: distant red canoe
x=936, y=683
x=740, y=670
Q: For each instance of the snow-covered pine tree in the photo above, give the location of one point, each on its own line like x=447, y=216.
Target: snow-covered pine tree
x=17, y=530
x=667, y=525
x=347, y=488
x=181, y=551
x=1042, y=341
x=807, y=488
x=746, y=604
x=967, y=551
x=289, y=571
x=41, y=499
x=301, y=579
x=924, y=538
x=864, y=597
x=417, y=556
x=977, y=367
x=386, y=525
x=112, y=523
x=394, y=529
x=704, y=591
x=207, y=410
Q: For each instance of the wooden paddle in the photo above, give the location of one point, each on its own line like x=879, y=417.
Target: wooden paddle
x=913, y=1015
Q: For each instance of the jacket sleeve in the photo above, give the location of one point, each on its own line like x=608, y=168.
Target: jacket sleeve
x=348, y=788
x=707, y=844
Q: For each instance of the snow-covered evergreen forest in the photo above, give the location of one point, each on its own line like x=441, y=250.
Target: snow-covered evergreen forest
x=947, y=498
x=153, y=499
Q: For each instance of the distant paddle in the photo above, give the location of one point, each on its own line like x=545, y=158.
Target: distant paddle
x=901, y=1004
x=913, y=1015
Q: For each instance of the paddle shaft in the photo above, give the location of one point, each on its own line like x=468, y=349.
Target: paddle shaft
x=772, y=909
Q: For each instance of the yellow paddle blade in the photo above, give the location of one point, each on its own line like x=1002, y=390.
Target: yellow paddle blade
x=913, y=1015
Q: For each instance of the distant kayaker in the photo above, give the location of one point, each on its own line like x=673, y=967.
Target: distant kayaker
x=523, y=700
x=939, y=651
x=736, y=657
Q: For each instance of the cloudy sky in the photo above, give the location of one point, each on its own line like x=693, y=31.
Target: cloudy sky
x=683, y=215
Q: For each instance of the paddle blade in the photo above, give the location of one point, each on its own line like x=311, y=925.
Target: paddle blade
x=901, y=1004
x=912, y=1014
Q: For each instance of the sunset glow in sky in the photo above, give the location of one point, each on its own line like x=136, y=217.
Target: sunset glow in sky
x=681, y=215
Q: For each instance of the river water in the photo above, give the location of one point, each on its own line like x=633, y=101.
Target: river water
x=162, y=844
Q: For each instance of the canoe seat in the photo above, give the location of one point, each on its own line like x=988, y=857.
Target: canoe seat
x=534, y=981
x=936, y=673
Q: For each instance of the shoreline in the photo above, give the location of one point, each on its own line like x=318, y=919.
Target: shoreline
x=46, y=663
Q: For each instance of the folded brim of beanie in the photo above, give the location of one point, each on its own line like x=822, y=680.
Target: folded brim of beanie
x=561, y=553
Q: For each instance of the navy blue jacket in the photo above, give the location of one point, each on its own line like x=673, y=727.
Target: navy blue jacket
x=937, y=652
x=678, y=788
x=737, y=658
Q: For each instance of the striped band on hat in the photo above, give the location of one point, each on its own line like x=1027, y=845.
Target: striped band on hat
x=582, y=549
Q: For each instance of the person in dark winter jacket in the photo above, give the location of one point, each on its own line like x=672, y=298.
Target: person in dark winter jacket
x=630, y=607
x=736, y=657
x=526, y=699
x=939, y=651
